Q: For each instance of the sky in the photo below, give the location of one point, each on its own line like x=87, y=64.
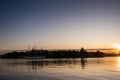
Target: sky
x=59, y=24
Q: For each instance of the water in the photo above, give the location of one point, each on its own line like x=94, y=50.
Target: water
x=107, y=68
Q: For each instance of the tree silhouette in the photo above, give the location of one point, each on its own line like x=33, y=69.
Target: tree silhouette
x=83, y=53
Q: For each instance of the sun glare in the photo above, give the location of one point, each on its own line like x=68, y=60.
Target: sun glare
x=117, y=46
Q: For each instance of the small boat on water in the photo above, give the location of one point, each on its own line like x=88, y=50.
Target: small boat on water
x=35, y=57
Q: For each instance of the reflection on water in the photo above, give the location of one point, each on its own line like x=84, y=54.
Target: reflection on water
x=45, y=63
x=60, y=69
x=70, y=63
x=118, y=64
x=83, y=62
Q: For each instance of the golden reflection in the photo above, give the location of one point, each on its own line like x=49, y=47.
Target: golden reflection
x=118, y=65
x=119, y=59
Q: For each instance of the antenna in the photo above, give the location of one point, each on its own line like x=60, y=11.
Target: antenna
x=35, y=47
x=28, y=48
x=41, y=47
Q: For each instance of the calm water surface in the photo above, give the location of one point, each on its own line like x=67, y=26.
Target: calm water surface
x=107, y=68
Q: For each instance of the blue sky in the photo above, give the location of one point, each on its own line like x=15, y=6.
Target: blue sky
x=59, y=24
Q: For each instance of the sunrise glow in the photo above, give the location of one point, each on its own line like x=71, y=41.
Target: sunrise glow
x=117, y=46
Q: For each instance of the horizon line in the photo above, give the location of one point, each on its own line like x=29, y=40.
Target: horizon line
x=64, y=49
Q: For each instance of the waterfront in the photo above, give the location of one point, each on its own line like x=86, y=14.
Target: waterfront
x=107, y=68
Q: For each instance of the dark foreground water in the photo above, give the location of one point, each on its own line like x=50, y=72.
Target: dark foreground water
x=61, y=69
